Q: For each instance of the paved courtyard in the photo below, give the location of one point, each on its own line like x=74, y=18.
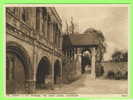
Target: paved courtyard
x=85, y=85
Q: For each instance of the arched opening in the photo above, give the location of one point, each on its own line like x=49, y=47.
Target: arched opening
x=57, y=71
x=86, y=61
x=17, y=68
x=42, y=71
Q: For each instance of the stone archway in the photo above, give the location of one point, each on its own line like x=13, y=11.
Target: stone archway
x=18, y=67
x=42, y=71
x=86, y=60
x=57, y=71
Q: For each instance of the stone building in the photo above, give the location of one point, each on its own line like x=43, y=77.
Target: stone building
x=33, y=48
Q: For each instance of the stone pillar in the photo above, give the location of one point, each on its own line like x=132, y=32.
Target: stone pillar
x=79, y=52
x=52, y=73
x=51, y=37
x=68, y=52
x=65, y=52
x=78, y=63
x=11, y=68
x=45, y=26
x=48, y=30
x=29, y=86
x=34, y=69
x=61, y=73
x=75, y=53
x=61, y=40
x=93, y=61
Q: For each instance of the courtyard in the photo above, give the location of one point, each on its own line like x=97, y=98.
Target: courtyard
x=85, y=85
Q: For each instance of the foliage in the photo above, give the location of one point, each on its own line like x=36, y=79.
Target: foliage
x=101, y=49
x=99, y=70
x=120, y=56
x=116, y=70
x=118, y=75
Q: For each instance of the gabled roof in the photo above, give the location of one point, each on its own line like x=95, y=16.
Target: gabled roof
x=83, y=39
x=79, y=40
x=88, y=39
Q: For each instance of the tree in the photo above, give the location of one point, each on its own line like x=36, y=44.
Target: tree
x=120, y=56
x=125, y=56
x=116, y=56
x=101, y=49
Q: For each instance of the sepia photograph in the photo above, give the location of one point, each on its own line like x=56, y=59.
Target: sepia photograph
x=67, y=50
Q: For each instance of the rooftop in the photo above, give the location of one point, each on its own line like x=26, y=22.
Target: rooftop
x=83, y=40
x=87, y=39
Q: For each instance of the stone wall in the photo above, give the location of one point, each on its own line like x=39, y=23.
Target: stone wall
x=71, y=69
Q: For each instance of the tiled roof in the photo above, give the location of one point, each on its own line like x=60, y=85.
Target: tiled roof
x=86, y=39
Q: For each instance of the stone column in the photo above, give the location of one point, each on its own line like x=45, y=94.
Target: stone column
x=79, y=52
x=51, y=38
x=52, y=73
x=45, y=26
x=61, y=73
x=69, y=53
x=75, y=53
x=78, y=57
x=50, y=30
x=34, y=68
x=93, y=61
x=61, y=39
x=30, y=86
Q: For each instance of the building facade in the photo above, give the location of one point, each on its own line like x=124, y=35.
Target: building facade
x=33, y=48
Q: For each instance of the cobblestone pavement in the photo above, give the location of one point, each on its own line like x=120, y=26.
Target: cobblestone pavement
x=85, y=85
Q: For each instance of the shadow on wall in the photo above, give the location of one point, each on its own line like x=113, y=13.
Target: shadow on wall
x=71, y=69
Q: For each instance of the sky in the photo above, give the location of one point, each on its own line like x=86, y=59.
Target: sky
x=112, y=20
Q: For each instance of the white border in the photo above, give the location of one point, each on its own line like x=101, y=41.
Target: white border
x=69, y=5
x=66, y=5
